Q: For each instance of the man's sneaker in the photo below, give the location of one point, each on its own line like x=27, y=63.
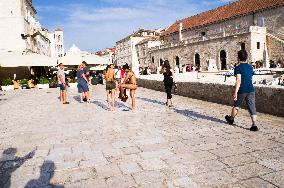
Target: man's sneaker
x=229, y=119
x=254, y=128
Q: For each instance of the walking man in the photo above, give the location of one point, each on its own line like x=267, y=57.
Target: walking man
x=62, y=84
x=244, y=90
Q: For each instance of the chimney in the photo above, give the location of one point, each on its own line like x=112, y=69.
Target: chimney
x=180, y=30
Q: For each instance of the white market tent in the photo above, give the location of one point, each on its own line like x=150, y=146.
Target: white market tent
x=19, y=59
x=98, y=68
x=77, y=58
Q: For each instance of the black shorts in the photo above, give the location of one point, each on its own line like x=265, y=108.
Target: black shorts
x=110, y=85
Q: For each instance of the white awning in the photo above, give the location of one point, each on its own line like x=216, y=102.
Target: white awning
x=18, y=59
x=100, y=67
x=78, y=58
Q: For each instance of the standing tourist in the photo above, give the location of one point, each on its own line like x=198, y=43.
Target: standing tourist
x=83, y=88
x=117, y=76
x=244, y=90
x=62, y=84
x=168, y=82
x=87, y=74
x=110, y=87
x=130, y=83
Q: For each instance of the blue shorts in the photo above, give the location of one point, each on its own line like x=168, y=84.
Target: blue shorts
x=83, y=87
x=62, y=87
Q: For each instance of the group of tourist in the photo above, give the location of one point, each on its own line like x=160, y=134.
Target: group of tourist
x=116, y=79
x=244, y=89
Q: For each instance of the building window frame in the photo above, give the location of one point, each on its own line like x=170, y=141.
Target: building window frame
x=258, y=45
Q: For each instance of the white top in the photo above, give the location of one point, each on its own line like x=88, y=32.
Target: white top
x=62, y=73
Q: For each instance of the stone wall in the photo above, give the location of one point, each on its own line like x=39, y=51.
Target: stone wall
x=268, y=100
x=209, y=49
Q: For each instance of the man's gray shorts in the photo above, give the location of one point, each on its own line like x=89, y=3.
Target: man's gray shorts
x=250, y=101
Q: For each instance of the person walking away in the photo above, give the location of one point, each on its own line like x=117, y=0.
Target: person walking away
x=244, y=90
x=83, y=88
x=110, y=87
x=62, y=84
x=168, y=82
x=130, y=83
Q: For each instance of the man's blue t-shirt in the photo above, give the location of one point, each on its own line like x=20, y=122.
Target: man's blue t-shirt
x=246, y=72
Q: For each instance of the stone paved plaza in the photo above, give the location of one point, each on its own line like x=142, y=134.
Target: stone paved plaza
x=46, y=144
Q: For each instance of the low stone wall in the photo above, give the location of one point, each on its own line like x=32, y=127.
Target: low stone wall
x=268, y=100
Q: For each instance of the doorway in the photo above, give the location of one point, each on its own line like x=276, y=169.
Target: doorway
x=223, y=59
x=197, y=60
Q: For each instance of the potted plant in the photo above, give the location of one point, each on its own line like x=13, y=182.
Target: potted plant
x=24, y=83
x=53, y=82
x=7, y=84
x=43, y=83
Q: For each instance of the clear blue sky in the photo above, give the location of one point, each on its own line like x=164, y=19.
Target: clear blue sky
x=96, y=24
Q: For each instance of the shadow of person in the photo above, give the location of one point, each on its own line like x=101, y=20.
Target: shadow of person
x=196, y=115
x=151, y=101
x=46, y=174
x=121, y=105
x=100, y=104
x=9, y=163
x=77, y=98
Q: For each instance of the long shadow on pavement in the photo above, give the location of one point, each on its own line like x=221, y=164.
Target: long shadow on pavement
x=187, y=113
x=151, y=100
x=100, y=104
x=121, y=105
x=9, y=163
x=77, y=98
x=192, y=114
x=46, y=174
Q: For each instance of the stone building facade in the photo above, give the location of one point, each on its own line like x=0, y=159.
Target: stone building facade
x=126, y=50
x=143, y=49
x=257, y=26
x=19, y=28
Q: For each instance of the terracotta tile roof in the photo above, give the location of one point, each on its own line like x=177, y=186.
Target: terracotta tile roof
x=153, y=38
x=58, y=29
x=111, y=49
x=239, y=8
